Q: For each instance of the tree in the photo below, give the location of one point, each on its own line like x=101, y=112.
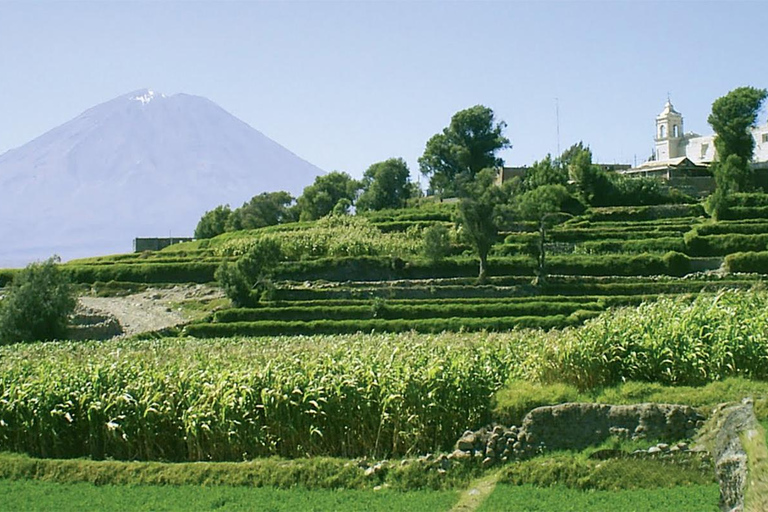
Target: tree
x=213, y=223
x=38, y=304
x=731, y=118
x=385, y=185
x=478, y=216
x=246, y=280
x=468, y=145
x=319, y=199
x=543, y=205
x=545, y=172
x=265, y=209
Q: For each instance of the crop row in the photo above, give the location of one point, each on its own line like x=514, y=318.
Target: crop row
x=384, y=311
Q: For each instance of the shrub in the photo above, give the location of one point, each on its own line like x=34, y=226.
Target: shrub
x=38, y=304
x=747, y=262
x=245, y=281
x=437, y=242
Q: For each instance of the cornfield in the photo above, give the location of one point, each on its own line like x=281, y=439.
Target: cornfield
x=235, y=399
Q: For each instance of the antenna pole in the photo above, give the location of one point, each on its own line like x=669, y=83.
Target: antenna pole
x=557, y=115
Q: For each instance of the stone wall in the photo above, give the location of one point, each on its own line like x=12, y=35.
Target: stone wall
x=575, y=426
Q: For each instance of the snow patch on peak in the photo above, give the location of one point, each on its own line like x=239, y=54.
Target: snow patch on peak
x=146, y=96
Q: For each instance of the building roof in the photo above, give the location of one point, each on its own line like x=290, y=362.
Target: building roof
x=656, y=165
x=668, y=109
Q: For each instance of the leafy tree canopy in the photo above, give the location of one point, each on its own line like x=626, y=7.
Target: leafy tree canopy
x=266, y=209
x=213, y=223
x=468, y=145
x=319, y=199
x=732, y=116
x=385, y=185
x=37, y=305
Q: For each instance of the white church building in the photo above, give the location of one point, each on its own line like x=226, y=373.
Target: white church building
x=676, y=149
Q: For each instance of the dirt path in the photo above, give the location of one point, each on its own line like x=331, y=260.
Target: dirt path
x=153, y=309
x=476, y=494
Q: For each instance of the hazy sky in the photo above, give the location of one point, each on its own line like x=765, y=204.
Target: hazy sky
x=347, y=84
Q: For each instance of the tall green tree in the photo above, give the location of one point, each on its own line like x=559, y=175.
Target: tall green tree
x=385, y=185
x=478, y=216
x=732, y=117
x=37, y=305
x=544, y=205
x=469, y=144
x=213, y=223
x=320, y=198
x=265, y=209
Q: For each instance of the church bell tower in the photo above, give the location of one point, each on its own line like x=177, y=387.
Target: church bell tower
x=669, y=133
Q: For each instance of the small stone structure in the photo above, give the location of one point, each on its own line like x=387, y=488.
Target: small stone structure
x=730, y=420
x=575, y=426
x=93, y=324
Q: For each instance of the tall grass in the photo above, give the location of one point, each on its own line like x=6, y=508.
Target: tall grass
x=670, y=341
x=235, y=399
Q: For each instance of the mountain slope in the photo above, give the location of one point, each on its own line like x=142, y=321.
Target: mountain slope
x=142, y=164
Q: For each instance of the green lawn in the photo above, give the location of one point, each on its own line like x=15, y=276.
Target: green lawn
x=526, y=498
x=30, y=495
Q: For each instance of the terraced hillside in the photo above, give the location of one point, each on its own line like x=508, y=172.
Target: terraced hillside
x=345, y=274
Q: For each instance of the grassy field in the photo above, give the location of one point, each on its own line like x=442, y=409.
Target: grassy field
x=527, y=498
x=33, y=495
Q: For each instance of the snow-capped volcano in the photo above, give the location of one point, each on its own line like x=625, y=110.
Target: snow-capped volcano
x=141, y=165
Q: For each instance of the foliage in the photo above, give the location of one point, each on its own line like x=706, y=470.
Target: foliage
x=731, y=118
x=331, y=236
x=265, y=209
x=716, y=204
x=437, y=242
x=598, y=187
x=246, y=280
x=478, y=216
x=385, y=185
x=542, y=205
x=213, y=222
x=319, y=199
x=37, y=304
x=669, y=341
x=468, y=145
x=545, y=172
x=236, y=399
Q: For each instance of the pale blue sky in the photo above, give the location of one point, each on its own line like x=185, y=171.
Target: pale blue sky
x=346, y=84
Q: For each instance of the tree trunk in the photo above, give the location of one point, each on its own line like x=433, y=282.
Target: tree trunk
x=483, y=268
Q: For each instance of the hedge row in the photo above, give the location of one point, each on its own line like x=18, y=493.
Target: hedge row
x=633, y=213
x=744, y=212
x=552, y=299
x=383, y=269
x=733, y=227
x=606, y=290
x=633, y=246
x=747, y=262
x=401, y=226
x=584, y=235
x=142, y=272
x=721, y=245
x=430, y=325
x=402, y=311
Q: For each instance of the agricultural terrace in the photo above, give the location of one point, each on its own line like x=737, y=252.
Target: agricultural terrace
x=361, y=348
